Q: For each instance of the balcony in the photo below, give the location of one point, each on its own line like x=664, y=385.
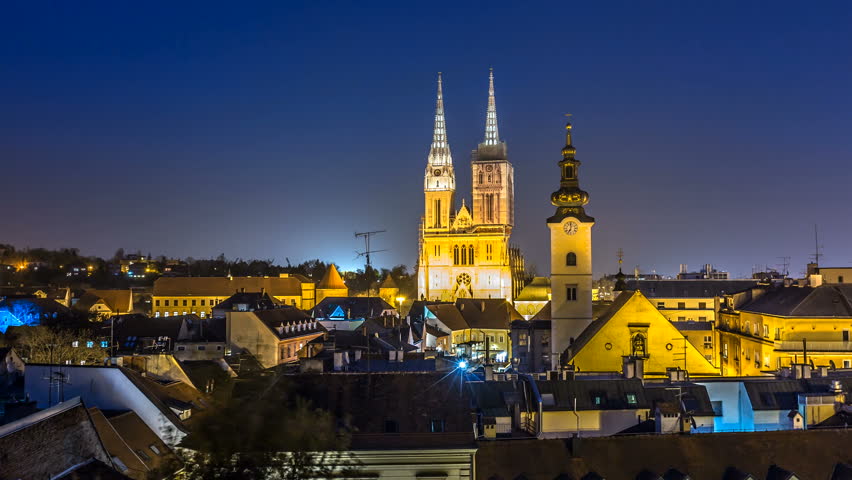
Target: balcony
x=815, y=346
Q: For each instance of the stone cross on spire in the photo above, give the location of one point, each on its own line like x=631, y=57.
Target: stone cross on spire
x=492, y=137
x=440, y=154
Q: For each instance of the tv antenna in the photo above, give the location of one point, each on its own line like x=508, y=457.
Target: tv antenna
x=817, y=246
x=785, y=265
x=367, y=252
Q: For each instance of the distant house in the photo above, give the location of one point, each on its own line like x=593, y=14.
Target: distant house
x=475, y=325
x=533, y=297
x=246, y=302
x=103, y=304
x=274, y=336
x=187, y=337
x=348, y=313
x=135, y=449
x=32, y=311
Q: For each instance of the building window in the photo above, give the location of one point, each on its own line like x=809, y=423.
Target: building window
x=436, y=426
x=847, y=363
x=166, y=302
x=118, y=463
x=840, y=279
x=725, y=350
x=598, y=399
x=154, y=449
x=463, y=255
x=144, y=456
x=184, y=303
x=702, y=319
x=193, y=302
x=571, y=293
x=202, y=347
x=681, y=319
x=455, y=255
x=631, y=399
x=708, y=339
x=702, y=305
x=717, y=408
x=522, y=338
x=156, y=303
x=571, y=259
x=75, y=344
x=766, y=331
x=480, y=177
x=681, y=305
x=501, y=338
x=202, y=302
x=661, y=304
x=157, y=314
x=470, y=255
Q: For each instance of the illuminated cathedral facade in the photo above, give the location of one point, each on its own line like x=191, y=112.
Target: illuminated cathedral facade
x=465, y=252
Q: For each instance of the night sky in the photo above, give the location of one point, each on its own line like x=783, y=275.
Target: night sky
x=710, y=132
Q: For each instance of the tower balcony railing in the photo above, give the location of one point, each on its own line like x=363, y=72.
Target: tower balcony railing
x=815, y=346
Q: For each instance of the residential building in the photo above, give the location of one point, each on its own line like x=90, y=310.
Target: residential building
x=835, y=274
x=245, y=302
x=198, y=295
x=768, y=328
x=478, y=327
x=389, y=291
x=166, y=408
x=348, y=313
x=102, y=304
x=707, y=272
x=688, y=300
x=466, y=253
x=274, y=336
x=52, y=443
x=32, y=311
x=187, y=337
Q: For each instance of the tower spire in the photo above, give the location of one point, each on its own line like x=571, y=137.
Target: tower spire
x=439, y=154
x=492, y=136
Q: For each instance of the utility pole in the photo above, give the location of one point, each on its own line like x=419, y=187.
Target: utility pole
x=817, y=246
x=785, y=265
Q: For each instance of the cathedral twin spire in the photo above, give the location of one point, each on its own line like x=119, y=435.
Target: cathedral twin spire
x=439, y=153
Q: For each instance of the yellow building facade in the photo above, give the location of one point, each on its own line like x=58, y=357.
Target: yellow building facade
x=774, y=327
x=466, y=253
x=198, y=295
x=634, y=328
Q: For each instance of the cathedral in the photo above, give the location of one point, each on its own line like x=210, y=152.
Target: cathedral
x=465, y=252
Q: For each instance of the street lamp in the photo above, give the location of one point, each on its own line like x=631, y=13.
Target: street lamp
x=399, y=301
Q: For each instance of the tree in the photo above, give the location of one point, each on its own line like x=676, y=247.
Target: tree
x=43, y=344
x=266, y=434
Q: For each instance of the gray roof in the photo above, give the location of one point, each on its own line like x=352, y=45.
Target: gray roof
x=612, y=393
x=689, y=288
x=822, y=301
x=693, y=325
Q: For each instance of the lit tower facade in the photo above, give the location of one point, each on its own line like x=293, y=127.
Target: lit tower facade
x=466, y=254
x=440, y=181
x=570, y=256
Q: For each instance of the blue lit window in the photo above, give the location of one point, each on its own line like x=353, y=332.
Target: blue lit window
x=104, y=344
x=90, y=344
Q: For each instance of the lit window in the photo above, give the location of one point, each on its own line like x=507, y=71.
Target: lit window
x=631, y=399
x=75, y=344
x=90, y=344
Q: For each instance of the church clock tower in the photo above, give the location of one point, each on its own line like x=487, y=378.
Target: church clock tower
x=570, y=256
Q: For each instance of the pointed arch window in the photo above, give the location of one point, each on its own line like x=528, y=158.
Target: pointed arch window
x=463, y=255
x=480, y=177
x=470, y=255
x=571, y=259
x=455, y=255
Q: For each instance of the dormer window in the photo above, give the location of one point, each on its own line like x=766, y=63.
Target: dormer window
x=568, y=172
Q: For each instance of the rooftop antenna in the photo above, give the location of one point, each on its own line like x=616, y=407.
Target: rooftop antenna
x=367, y=236
x=817, y=246
x=785, y=265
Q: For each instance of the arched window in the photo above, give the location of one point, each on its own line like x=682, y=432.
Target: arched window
x=480, y=178
x=455, y=255
x=463, y=255
x=470, y=255
x=639, y=345
x=571, y=259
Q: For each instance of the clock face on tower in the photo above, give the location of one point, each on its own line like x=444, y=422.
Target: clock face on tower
x=437, y=172
x=570, y=227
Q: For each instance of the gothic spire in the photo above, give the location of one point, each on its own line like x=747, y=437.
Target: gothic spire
x=492, y=136
x=439, y=154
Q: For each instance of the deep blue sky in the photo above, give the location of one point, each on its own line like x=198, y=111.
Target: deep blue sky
x=710, y=131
